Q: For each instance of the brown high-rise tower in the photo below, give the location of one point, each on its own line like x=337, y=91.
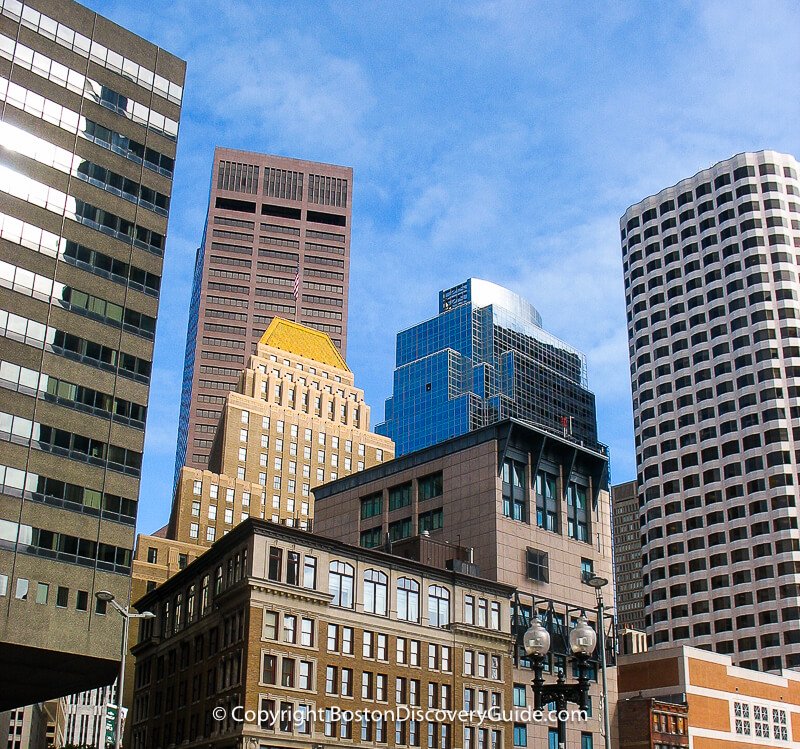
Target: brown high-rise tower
x=276, y=243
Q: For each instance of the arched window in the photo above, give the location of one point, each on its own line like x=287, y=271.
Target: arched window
x=190, y=596
x=438, y=606
x=340, y=584
x=408, y=599
x=376, y=592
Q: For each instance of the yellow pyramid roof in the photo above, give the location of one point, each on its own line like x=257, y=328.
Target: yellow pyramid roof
x=298, y=339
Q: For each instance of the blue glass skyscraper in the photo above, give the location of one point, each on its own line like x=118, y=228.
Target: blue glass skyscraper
x=485, y=357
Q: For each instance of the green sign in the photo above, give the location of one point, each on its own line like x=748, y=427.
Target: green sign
x=111, y=723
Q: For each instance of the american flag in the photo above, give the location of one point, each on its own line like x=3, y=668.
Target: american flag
x=296, y=286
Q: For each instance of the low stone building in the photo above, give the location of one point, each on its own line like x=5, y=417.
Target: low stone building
x=261, y=641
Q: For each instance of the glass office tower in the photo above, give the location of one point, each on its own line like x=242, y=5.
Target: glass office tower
x=485, y=357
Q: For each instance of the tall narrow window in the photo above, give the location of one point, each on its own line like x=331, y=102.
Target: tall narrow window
x=293, y=568
x=546, y=502
x=408, y=599
x=438, y=606
x=310, y=573
x=515, y=501
x=340, y=584
x=275, y=563
x=577, y=513
x=376, y=588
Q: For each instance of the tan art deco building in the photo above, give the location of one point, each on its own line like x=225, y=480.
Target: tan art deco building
x=295, y=421
x=88, y=135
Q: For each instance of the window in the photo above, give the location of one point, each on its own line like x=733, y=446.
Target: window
x=347, y=682
x=372, y=505
x=376, y=592
x=430, y=486
x=438, y=606
x=515, y=503
x=399, y=496
x=275, y=563
x=307, y=633
x=520, y=695
x=270, y=626
x=347, y=640
x=414, y=652
x=331, y=680
x=310, y=573
x=520, y=734
x=587, y=742
x=22, y=589
x=293, y=568
x=407, y=599
x=577, y=513
x=289, y=629
x=741, y=712
x=546, y=502
x=340, y=584
x=42, y=591
x=287, y=672
x=537, y=567
x=400, y=529
x=268, y=669
x=431, y=521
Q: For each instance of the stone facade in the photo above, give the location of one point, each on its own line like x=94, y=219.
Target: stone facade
x=533, y=507
x=276, y=619
x=89, y=130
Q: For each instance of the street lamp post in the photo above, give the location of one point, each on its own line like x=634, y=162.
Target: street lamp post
x=598, y=583
x=582, y=642
x=104, y=595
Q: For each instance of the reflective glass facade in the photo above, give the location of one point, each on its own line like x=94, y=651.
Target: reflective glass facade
x=484, y=358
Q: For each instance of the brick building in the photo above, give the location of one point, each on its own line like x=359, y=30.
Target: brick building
x=649, y=723
x=276, y=619
x=727, y=706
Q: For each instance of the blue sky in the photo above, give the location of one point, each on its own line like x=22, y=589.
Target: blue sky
x=494, y=139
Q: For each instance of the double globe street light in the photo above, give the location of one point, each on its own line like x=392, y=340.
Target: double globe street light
x=582, y=643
